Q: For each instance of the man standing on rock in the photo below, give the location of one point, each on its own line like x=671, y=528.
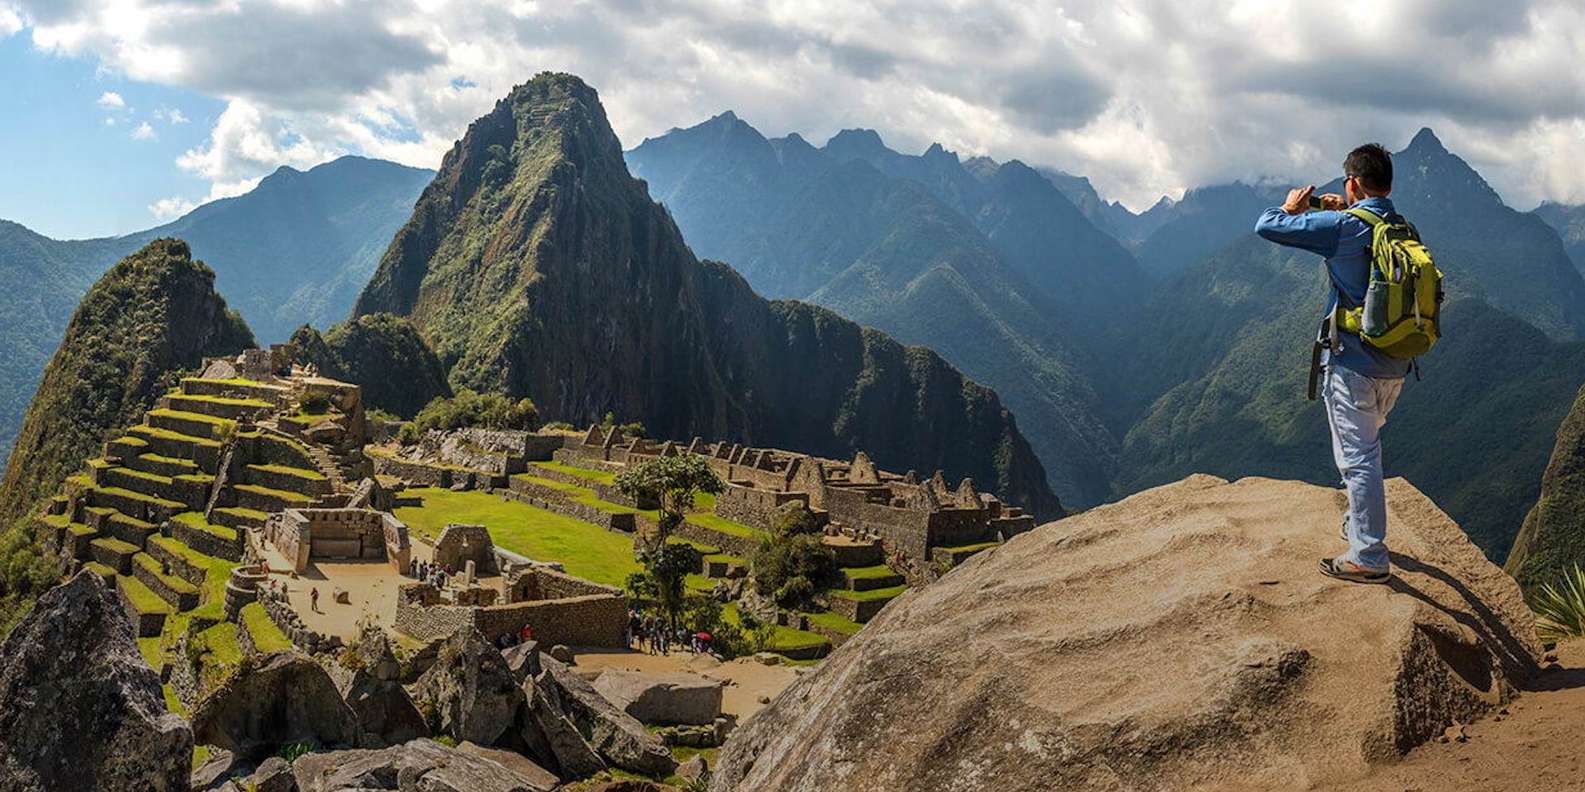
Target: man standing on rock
x=1361, y=383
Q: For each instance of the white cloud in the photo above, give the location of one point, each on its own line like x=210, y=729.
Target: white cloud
x=167, y=209
x=170, y=116
x=143, y=131
x=1145, y=96
x=10, y=22
x=110, y=100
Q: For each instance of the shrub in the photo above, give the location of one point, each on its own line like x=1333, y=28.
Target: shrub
x=1560, y=607
x=314, y=403
x=793, y=518
x=788, y=568
x=468, y=409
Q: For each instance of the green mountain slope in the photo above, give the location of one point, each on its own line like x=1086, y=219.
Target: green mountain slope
x=295, y=249
x=992, y=268
x=1552, y=539
x=150, y=316
x=535, y=264
x=381, y=353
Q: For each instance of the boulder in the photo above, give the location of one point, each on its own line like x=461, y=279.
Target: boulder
x=273, y=775
x=1181, y=638
x=383, y=710
x=615, y=735
x=420, y=765
x=470, y=689
x=562, y=653
x=514, y=762
x=694, y=769
x=550, y=734
x=79, y=707
x=220, y=765
x=523, y=659
x=663, y=699
x=287, y=699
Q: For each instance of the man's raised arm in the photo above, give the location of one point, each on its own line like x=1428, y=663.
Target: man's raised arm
x=1293, y=225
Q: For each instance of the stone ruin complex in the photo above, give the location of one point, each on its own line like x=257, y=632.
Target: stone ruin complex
x=301, y=535
x=921, y=526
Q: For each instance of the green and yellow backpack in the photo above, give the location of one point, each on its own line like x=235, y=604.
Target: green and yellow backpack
x=1403, y=303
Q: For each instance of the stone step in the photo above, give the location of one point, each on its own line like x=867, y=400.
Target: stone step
x=146, y=609
x=216, y=541
x=189, y=423
x=266, y=499
x=290, y=479
x=134, y=504
x=113, y=553
x=870, y=578
x=178, y=593
x=188, y=489
x=131, y=530
x=218, y=406
x=202, y=450
x=181, y=560
x=953, y=556
x=238, y=518
x=160, y=465
x=126, y=447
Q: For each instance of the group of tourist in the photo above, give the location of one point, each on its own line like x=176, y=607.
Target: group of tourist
x=648, y=633
x=432, y=573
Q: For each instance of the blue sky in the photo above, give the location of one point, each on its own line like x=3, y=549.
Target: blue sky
x=1145, y=97
x=69, y=173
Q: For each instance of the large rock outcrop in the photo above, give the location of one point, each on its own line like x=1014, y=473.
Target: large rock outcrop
x=1552, y=539
x=287, y=699
x=535, y=264
x=1181, y=638
x=79, y=707
x=471, y=690
x=663, y=699
x=421, y=765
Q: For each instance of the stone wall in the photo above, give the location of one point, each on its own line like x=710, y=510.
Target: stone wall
x=424, y=474
x=541, y=497
x=595, y=620
x=204, y=541
x=304, y=534
x=292, y=626
x=753, y=506
x=458, y=544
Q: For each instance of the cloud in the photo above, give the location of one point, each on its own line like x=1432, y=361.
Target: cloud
x=110, y=100
x=143, y=131
x=10, y=22
x=1144, y=96
x=168, y=209
x=170, y=116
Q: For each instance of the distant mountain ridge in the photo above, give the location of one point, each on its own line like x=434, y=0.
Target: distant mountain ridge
x=1569, y=222
x=990, y=266
x=534, y=264
x=295, y=249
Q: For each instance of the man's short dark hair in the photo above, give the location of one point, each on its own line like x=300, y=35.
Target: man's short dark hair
x=1372, y=165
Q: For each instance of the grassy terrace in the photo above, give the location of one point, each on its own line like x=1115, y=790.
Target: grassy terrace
x=196, y=520
x=216, y=570
x=285, y=495
x=242, y=381
x=585, y=549
x=588, y=497
x=126, y=493
x=834, y=621
x=267, y=637
x=192, y=416
x=782, y=637
x=601, y=476
x=166, y=434
x=872, y=594
x=226, y=400
x=869, y=572
x=302, y=473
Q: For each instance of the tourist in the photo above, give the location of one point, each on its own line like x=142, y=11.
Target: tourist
x=633, y=626
x=313, y=599
x=526, y=634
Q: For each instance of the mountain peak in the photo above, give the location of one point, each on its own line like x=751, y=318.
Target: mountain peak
x=1426, y=140
x=936, y=151
x=857, y=142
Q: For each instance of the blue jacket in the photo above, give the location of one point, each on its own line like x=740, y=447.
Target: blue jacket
x=1344, y=240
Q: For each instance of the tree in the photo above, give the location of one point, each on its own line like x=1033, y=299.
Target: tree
x=792, y=563
x=673, y=482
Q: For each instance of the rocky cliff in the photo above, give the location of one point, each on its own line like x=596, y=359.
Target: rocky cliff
x=1552, y=540
x=535, y=264
x=1179, y=639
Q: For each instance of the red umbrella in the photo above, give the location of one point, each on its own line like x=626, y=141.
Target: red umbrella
x=703, y=636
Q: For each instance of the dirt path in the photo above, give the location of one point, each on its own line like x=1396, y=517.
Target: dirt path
x=1537, y=745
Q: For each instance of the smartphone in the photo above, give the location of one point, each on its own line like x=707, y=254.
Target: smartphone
x=1315, y=202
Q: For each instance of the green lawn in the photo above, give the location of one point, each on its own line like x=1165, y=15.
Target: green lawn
x=869, y=572
x=704, y=518
x=196, y=520
x=834, y=621
x=304, y=473
x=872, y=594
x=586, y=550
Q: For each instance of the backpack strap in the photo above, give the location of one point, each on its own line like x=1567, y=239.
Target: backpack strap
x=1370, y=218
